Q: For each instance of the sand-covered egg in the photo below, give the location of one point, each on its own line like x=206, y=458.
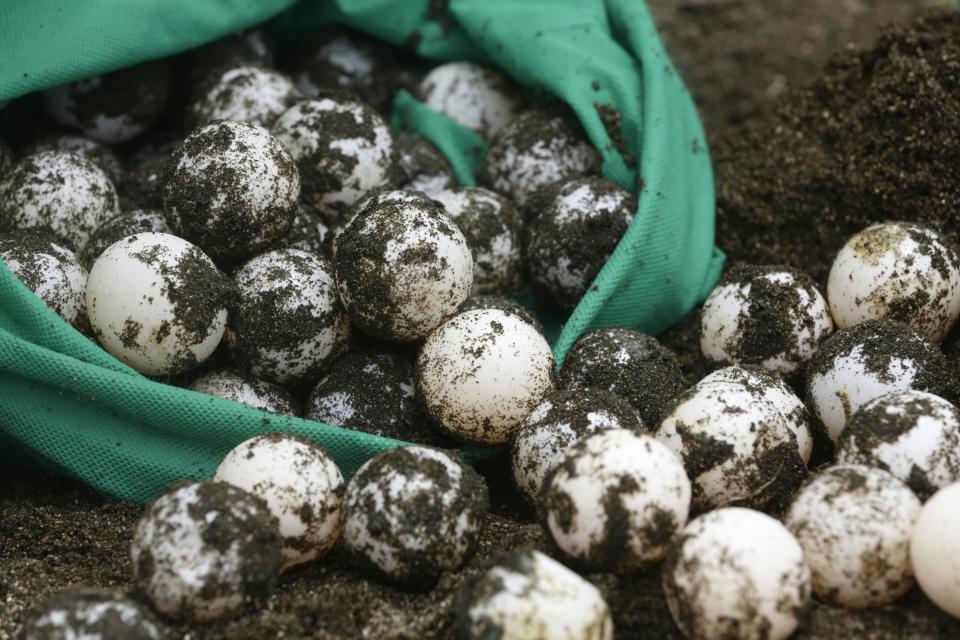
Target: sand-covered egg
x=471, y=95
x=530, y=595
x=503, y=303
x=204, y=551
x=555, y=424
x=232, y=189
x=769, y=316
x=122, y=225
x=371, y=391
x=571, y=239
x=421, y=164
x=308, y=232
x=536, y=150
x=300, y=484
x=348, y=61
x=411, y=513
x=912, y=434
x=158, y=303
x=774, y=389
x=854, y=524
x=48, y=269
x=626, y=362
x=736, y=573
x=482, y=373
x=87, y=613
x=113, y=107
x=244, y=94
x=288, y=324
x=897, y=271
x=142, y=186
x=736, y=446
x=232, y=384
x=60, y=190
x=97, y=153
x=868, y=360
x=492, y=227
x=935, y=549
x=344, y=150
x=616, y=501
x=402, y=266
x=250, y=48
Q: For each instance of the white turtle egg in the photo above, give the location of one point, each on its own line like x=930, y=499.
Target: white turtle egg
x=238, y=386
x=245, y=94
x=617, y=501
x=483, y=372
x=854, y=524
x=769, y=316
x=935, y=549
x=736, y=573
x=301, y=485
x=157, y=303
x=529, y=595
x=48, y=269
x=473, y=96
x=897, y=270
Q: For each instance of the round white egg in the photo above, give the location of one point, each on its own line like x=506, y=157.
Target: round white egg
x=289, y=323
x=411, y=513
x=854, y=524
x=473, y=96
x=88, y=613
x=530, y=595
x=402, y=266
x=873, y=358
x=736, y=445
x=48, y=269
x=774, y=389
x=617, y=501
x=59, y=190
x=157, y=303
x=736, y=573
x=912, y=434
x=237, y=386
x=935, y=549
x=245, y=94
x=483, y=372
x=773, y=317
x=897, y=270
x=301, y=485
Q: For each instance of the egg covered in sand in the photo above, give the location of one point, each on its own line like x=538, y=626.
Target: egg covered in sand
x=87, y=613
x=473, y=96
x=232, y=384
x=48, y=269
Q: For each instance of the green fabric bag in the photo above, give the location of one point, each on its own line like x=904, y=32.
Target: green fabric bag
x=68, y=405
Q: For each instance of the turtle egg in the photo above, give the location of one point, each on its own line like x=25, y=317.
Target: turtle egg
x=48, y=269
x=774, y=389
x=736, y=573
x=412, y=513
x=344, y=150
x=231, y=384
x=351, y=62
x=571, y=239
x=99, y=154
x=120, y=226
x=492, y=228
x=288, y=324
x=300, y=484
x=854, y=524
x=251, y=48
x=308, y=232
x=507, y=305
x=482, y=373
x=473, y=96
x=90, y=614
x=244, y=94
x=232, y=189
x=423, y=167
x=935, y=549
x=912, y=434
x=616, y=501
x=897, y=270
x=114, y=107
x=769, y=316
x=60, y=190
x=146, y=172
x=863, y=362
x=736, y=445
x=628, y=363
x=530, y=595
x=536, y=150
x=564, y=417
x=204, y=551
x=157, y=303
x=402, y=266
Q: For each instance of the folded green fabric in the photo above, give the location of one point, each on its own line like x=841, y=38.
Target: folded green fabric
x=67, y=404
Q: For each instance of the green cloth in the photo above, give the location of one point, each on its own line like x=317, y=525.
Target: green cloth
x=68, y=405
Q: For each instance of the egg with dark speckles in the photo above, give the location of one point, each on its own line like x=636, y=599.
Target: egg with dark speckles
x=48, y=269
x=90, y=614
x=232, y=384
x=475, y=97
